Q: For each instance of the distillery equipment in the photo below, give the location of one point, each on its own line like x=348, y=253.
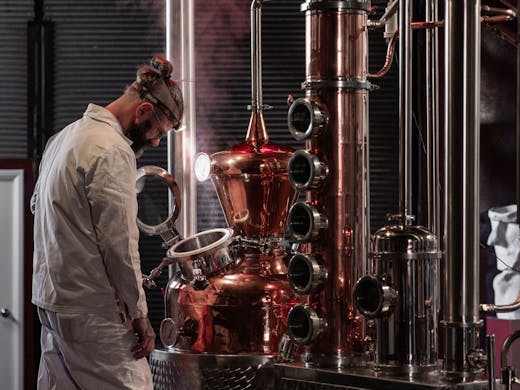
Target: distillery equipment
x=330, y=226
x=227, y=302
x=402, y=292
x=359, y=310
x=402, y=296
x=397, y=285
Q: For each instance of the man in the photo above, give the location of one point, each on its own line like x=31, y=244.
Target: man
x=87, y=282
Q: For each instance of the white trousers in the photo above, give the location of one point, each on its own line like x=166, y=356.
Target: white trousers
x=89, y=352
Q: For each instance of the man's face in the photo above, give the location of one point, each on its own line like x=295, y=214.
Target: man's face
x=147, y=128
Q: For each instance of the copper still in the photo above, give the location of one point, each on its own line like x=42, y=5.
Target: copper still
x=229, y=297
x=331, y=225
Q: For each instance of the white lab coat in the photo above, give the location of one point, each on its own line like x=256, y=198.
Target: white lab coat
x=86, y=260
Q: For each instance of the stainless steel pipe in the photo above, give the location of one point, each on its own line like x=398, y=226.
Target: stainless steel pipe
x=405, y=108
x=432, y=120
x=256, y=132
x=507, y=376
x=180, y=39
x=460, y=321
x=256, y=56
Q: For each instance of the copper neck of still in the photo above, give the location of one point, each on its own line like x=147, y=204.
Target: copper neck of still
x=256, y=132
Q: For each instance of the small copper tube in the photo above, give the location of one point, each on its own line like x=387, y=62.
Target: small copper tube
x=496, y=19
x=391, y=46
x=389, y=57
x=492, y=308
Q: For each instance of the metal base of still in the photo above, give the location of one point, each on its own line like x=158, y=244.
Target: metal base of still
x=184, y=371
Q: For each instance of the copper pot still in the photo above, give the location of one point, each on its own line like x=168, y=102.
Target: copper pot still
x=237, y=302
x=230, y=295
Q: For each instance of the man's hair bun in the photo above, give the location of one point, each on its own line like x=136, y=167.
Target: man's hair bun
x=163, y=66
x=153, y=83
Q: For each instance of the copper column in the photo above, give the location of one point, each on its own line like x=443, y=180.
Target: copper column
x=332, y=224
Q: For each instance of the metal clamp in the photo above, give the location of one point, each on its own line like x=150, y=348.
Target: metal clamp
x=342, y=83
x=355, y=5
x=306, y=171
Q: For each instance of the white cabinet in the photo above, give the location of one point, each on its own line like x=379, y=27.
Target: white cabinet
x=12, y=215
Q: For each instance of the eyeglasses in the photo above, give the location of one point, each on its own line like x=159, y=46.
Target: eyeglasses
x=164, y=129
x=170, y=117
x=145, y=94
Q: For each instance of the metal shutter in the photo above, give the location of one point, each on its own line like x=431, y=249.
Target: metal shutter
x=14, y=16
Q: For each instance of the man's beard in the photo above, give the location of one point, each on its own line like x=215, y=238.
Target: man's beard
x=137, y=134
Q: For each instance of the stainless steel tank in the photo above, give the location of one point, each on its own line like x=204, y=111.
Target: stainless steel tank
x=402, y=296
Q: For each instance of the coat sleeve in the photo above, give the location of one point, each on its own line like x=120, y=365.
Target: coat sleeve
x=111, y=192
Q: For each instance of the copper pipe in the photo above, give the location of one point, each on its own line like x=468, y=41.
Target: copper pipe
x=388, y=60
x=391, y=46
x=492, y=308
x=496, y=19
x=427, y=24
x=500, y=15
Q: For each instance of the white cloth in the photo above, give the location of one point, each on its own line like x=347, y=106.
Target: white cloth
x=85, y=211
x=89, y=352
x=86, y=264
x=505, y=239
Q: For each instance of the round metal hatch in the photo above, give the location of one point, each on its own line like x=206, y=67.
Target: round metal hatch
x=159, y=202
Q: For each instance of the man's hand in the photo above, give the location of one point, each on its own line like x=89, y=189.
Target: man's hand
x=145, y=337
